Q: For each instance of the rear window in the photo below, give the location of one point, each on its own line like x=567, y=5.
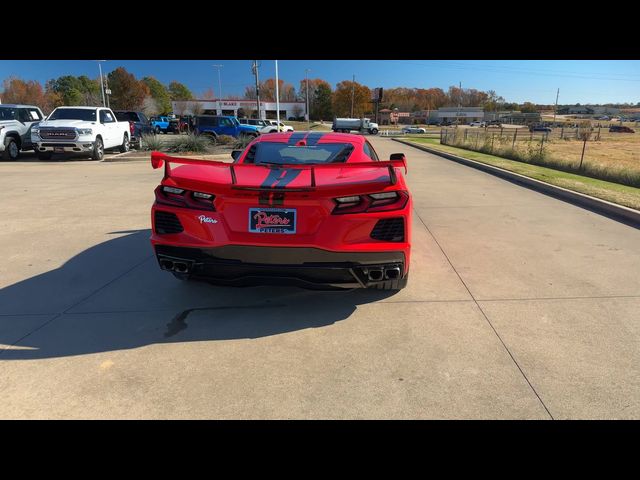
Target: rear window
x=127, y=116
x=282, y=153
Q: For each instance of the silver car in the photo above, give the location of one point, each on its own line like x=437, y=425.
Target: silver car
x=413, y=130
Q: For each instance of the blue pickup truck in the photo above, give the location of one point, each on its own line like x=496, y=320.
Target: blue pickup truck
x=213, y=126
x=161, y=124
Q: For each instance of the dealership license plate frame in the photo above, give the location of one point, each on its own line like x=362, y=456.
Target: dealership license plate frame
x=289, y=213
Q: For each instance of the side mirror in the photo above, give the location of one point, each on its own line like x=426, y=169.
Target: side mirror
x=236, y=154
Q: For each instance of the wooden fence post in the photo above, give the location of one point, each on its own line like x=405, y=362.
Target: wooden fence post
x=531, y=136
x=584, y=145
x=515, y=135
x=562, y=132
x=477, y=135
x=541, y=145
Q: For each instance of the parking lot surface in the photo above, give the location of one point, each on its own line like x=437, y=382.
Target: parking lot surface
x=518, y=306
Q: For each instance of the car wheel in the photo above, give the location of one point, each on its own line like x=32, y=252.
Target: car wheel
x=98, y=150
x=11, y=150
x=44, y=155
x=374, y=131
x=125, y=144
x=156, y=130
x=212, y=138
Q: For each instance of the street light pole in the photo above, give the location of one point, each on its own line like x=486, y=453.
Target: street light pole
x=277, y=98
x=104, y=104
x=353, y=90
x=219, y=82
x=306, y=72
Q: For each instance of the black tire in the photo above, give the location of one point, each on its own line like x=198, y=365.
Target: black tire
x=44, y=155
x=157, y=130
x=374, y=131
x=212, y=138
x=11, y=149
x=392, y=284
x=125, y=147
x=98, y=149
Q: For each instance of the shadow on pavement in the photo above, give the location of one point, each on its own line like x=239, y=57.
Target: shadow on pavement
x=113, y=296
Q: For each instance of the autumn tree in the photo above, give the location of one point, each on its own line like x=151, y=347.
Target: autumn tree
x=127, y=93
x=159, y=93
x=286, y=91
x=179, y=92
x=528, y=107
x=16, y=90
x=343, y=95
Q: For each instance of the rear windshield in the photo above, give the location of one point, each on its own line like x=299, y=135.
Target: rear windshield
x=282, y=153
x=127, y=116
x=73, y=114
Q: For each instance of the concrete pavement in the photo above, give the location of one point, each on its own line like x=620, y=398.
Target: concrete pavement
x=518, y=306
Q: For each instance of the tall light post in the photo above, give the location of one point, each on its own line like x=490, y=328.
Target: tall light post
x=277, y=98
x=306, y=74
x=353, y=91
x=104, y=103
x=219, y=82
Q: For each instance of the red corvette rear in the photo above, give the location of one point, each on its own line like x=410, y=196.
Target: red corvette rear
x=318, y=210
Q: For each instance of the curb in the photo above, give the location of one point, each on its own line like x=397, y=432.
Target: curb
x=612, y=210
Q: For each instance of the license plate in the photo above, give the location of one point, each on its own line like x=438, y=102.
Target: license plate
x=272, y=220
x=58, y=149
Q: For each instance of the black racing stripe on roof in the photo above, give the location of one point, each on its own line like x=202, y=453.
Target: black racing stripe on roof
x=314, y=137
x=296, y=137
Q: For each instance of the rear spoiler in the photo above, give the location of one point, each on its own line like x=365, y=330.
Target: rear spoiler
x=158, y=159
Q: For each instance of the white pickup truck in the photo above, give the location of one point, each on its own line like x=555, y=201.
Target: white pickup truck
x=88, y=130
x=16, y=122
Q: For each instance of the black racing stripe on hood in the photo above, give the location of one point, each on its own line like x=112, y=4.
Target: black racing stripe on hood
x=296, y=137
x=314, y=137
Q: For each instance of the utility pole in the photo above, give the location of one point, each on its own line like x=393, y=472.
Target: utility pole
x=277, y=98
x=459, y=105
x=306, y=74
x=104, y=104
x=219, y=82
x=353, y=90
x=555, y=110
x=254, y=69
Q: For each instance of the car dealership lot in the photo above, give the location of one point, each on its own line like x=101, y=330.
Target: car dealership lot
x=518, y=306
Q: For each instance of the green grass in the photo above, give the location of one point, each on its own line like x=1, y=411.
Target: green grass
x=609, y=191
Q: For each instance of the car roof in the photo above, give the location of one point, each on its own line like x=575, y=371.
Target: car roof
x=17, y=105
x=82, y=107
x=319, y=137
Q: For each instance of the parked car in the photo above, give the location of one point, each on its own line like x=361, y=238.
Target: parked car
x=161, y=124
x=264, y=126
x=88, y=130
x=413, y=130
x=539, y=128
x=230, y=224
x=478, y=124
x=16, y=122
x=213, y=125
x=621, y=129
x=283, y=127
x=138, y=125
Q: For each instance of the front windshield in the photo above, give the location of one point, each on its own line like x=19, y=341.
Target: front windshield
x=235, y=121
x=7, y=113
x=88, y=115
x=283, y=153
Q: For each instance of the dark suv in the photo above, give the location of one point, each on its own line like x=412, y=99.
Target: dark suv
x=138, y=125
x=621, y=129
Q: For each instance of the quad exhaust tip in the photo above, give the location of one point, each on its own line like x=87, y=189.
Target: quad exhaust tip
x=179, y=267
x=387, y=273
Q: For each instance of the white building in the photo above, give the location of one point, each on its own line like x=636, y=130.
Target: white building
x=239, y=108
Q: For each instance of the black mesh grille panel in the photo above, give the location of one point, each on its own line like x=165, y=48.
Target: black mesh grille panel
x=389, y=230
x=167, y=222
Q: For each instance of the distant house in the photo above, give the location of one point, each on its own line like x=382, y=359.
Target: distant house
x=519, y=118
x=576, y=110
x=388, y=117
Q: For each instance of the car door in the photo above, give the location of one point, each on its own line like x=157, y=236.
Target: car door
x=110, y=130
x=226, y=127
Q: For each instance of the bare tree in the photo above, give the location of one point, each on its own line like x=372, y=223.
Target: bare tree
x=297, y=111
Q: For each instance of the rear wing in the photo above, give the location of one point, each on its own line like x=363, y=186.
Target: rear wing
x=236, y=170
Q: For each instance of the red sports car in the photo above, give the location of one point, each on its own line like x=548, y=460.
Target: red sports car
x=318, y=210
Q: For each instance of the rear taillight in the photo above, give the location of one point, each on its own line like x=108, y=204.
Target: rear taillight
x=132, y=128
x=372, y=202
x=179, y=197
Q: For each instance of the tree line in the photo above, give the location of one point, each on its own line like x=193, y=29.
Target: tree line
x=153, y=97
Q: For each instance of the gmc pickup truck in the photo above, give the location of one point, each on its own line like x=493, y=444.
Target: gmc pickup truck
x=88, y=130
x=16, y=122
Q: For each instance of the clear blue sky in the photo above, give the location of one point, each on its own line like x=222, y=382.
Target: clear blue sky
x=580, y=81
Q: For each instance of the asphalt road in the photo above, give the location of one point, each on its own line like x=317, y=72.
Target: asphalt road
x=519, y=306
